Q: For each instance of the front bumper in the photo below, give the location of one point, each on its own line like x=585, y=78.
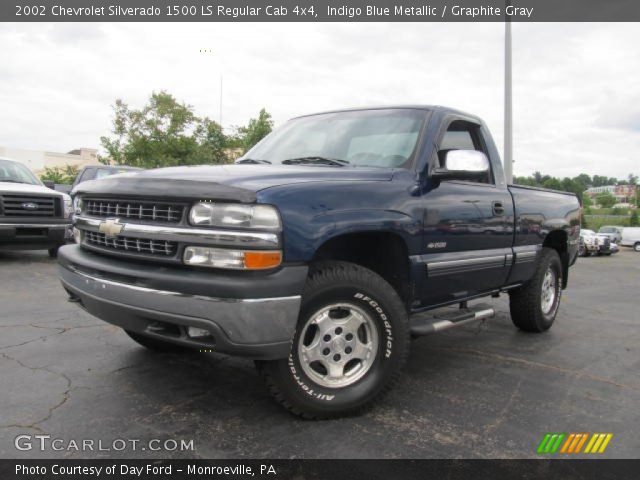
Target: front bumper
x=248, y=315
x=33, y=236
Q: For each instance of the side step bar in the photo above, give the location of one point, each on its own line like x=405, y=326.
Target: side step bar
x=422, y=325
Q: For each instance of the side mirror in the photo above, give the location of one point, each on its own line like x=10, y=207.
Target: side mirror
x=49, y=184
x=462, y=165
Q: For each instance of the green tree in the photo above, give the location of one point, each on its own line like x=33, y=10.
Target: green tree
x=552, y=183
x=633, y=220
x=584, y=180
x=530, y=181
x=583, y=221
x=256, y=130
x=605, y=200
x=162, y=133
x=62, y=175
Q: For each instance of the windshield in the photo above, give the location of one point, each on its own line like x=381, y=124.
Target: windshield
x=588, y=232
x=16, y=173
x=607, y=230
x=384, y=138
x=107, y=172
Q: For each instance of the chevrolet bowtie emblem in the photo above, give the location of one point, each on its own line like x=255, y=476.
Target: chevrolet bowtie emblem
x=111, y=227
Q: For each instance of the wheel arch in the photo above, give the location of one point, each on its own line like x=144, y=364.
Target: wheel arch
x=385, y=253
x=558, y=240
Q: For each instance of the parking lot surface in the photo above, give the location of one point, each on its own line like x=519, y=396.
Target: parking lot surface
x=480, y=391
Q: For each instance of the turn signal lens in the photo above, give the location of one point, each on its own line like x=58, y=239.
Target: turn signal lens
x=261, y=260
x=231, y=259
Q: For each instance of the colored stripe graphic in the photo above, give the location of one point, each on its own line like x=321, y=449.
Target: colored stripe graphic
x=598, y=443
x=550, y=443
x=572, y=443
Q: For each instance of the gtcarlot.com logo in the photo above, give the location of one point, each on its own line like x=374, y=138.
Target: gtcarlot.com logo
x=574, y=443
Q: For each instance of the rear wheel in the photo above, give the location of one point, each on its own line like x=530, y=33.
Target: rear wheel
x=350, y=345
x=534, y=306
x=636, y=247
x=155, y=344
x=53, y=251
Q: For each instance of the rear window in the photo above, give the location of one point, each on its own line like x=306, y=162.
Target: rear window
x=106, y=172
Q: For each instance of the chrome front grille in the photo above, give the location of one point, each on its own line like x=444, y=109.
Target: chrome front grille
x=121, y=243
x=134, y=209
x=28, y=206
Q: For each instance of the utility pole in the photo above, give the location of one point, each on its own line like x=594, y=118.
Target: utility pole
x=220, y=118
x=508, y=110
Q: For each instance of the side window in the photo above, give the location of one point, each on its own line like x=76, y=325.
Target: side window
x=461, y=135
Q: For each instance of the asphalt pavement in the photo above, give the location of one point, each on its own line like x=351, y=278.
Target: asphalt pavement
x=480, y=391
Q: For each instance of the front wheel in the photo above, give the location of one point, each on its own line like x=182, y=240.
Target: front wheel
x=534, y=305
x=636, y=246
x=350, y=344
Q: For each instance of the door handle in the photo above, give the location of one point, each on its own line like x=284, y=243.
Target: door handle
x=497, y=208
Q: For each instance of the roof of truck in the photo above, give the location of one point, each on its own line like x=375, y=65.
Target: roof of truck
x=433, y=108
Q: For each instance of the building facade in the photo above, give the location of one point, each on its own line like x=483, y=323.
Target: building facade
x=623, y=193
x=38, y=160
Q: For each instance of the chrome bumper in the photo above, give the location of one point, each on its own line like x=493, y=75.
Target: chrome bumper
x=259, y=327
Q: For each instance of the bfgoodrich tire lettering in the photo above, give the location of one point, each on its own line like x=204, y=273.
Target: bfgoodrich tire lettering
x=534, y=306
x=350, y=288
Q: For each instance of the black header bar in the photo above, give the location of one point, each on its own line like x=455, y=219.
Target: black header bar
x=319, y=10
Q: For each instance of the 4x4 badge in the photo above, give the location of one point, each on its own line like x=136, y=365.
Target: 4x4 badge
x=111, y=227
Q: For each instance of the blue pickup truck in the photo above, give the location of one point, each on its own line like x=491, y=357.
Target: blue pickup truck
x=318, y=253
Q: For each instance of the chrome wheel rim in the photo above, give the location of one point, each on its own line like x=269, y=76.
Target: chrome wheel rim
x=548, y=296
x=338, y=345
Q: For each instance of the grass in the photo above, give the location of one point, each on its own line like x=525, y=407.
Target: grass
x=594, y=222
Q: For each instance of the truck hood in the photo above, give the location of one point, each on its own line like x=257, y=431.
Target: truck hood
x=228, y=182
x=10, y=187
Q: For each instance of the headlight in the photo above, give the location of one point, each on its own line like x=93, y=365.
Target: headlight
x=77, y=205
x=68, y=208
x=235, y=215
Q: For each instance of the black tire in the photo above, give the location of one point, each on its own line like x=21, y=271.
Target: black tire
x=636, y=246
x=526, y=302
x=155, y=344
x=53, y=251
x=353, y=287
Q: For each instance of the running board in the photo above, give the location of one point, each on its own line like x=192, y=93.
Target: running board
x=442, y=321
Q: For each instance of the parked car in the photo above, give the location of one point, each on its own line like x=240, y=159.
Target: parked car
x=32, y=217
x=314, y=254
x=96, y=172
x=593, y=243
x=614, y=233
x=631, y=238
x=614, y=247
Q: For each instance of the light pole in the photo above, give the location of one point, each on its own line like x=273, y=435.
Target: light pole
x=508, y=111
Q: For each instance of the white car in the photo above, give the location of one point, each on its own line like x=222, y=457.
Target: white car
x=32, y=216
x=591, y=242
x=631, y=238
x=614, y=233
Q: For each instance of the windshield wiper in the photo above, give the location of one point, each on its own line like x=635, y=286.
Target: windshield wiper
x=319, y=160
x=253, y=160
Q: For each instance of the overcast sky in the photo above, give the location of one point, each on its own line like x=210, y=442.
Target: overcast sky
x=576, y=86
